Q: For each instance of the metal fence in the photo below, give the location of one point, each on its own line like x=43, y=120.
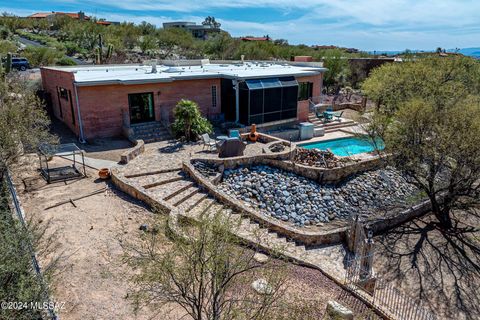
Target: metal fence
x=21, y=217
x=398, y=304
x=386, y=296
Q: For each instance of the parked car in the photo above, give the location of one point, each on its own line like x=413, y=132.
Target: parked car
x=20, y=64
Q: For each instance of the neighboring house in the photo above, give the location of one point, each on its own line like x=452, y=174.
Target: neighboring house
x=101, y=101
x=198, y=31
x=49, y=15
x=267, y=38
x=77, y=16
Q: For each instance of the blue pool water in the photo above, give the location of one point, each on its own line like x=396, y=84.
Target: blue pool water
x=345, y=146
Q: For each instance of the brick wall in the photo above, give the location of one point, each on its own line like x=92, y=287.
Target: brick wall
x=102, y=107
x=62, y=108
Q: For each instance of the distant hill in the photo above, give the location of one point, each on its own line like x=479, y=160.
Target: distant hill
x=471, y=52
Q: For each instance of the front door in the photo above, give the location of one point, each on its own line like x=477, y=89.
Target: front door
x=141, y=107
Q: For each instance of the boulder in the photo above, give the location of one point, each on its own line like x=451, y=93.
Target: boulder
x=336, y=311
x=261, y=286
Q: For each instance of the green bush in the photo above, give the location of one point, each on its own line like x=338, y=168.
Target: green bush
x=42, y=56
x=7, y=46
x=189, y=122
x=65, y=61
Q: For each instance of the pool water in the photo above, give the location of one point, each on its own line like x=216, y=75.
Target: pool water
x=345, y=147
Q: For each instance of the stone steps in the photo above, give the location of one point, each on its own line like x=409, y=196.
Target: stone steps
x=198, y=209
x=179, y=190
x=150, y=132
x=153, y=180
x=184, y=196
x=168, y=190
x=193, y=201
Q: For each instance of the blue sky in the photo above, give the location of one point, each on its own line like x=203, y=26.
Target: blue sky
x=363, y=24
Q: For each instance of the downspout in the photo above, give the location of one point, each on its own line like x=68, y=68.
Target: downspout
x=237, y=101
x=80, y=123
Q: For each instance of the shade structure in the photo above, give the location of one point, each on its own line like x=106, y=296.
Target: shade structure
x=268, y=100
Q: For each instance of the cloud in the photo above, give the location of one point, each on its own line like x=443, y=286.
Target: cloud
x=366, y=24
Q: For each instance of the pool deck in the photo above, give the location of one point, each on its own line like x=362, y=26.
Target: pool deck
x=338, y=134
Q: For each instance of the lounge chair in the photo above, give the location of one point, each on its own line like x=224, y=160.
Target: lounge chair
x=208, y=142
x=338, y=115
x=234, y=134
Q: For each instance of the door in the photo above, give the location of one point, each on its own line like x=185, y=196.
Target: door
x=141, y=107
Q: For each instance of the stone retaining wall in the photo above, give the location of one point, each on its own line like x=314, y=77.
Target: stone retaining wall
x=133, y=152
x=303, y=236
x=281, y=160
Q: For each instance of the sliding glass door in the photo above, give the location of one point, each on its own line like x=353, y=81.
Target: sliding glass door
x=141, y=107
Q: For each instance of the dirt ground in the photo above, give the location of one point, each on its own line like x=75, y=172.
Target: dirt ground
x=106, y=148
x=92, y=281
x=440, y=269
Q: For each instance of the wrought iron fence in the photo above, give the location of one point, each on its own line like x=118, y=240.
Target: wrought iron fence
x=399, y=304
x=386, y=296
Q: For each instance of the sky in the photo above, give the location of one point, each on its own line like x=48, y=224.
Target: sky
x=364, y=24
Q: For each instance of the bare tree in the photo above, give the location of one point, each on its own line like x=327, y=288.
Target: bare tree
x=209, y=275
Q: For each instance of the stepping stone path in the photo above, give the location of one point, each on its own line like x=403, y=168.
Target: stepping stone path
x=293, y=198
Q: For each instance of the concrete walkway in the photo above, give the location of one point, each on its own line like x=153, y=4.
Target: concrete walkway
x=92, y=162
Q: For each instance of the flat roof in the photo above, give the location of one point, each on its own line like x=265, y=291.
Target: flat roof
x=138, y=74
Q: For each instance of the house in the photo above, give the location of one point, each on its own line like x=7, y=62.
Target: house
x=49, y=15
x=77, y=16
x=102, y=101
x=198, y=31
x=266, y=38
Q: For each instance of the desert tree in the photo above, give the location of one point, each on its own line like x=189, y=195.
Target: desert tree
x=429, y=117
x=208, y=273
x=24, y=124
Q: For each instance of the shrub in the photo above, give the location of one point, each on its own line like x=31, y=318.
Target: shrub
x=65, y=61
x=42, y=56
x=189, y=122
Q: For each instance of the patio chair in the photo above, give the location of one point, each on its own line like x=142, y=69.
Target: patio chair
x=208, y=142
x=318, y=113
x=338, y=115
x=234, y=134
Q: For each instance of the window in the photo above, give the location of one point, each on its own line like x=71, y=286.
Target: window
x=305, y=90
x=214, y=97
x=63, y=93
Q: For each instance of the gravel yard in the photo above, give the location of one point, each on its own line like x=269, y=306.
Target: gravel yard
x=289, y=197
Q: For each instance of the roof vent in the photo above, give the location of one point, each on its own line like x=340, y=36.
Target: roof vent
x=154, y=66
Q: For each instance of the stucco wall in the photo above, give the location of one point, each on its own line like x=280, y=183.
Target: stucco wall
x=303, y=106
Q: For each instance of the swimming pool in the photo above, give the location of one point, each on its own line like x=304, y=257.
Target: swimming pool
x=345, y=146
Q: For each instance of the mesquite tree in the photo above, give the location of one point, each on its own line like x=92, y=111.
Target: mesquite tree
x=209, y=275
x=429, y=117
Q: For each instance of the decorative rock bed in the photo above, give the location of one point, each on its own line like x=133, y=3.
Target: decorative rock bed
x=205, y=168
x=318, y=158
x=286, y=196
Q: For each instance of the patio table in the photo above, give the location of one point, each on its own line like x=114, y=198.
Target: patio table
x=222, y=137
x=328, y=115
